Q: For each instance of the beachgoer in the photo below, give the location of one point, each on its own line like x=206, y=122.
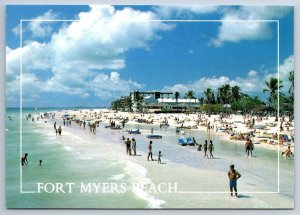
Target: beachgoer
x=208, y=127
x=233, y=176
x=84, y=124
x=194, y=141
x=133, y=146
x=159, y=157
x=41, y=162
x=54, y=125
x=24, y=159
x=249, y=147
x=205, y=149
x=150, y=151
x=288, y=152
x=59, y=130
x=64, y=122
x=128, y=149
x=199, y=147
x=211, y=148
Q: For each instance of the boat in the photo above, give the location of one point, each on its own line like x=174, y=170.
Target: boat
x=154, y=136
x=134, y=131
x=181, y=142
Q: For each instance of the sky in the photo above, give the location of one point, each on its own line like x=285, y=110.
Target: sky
x=108, y=51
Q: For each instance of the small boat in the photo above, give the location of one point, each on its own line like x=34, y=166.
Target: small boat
x=181, y=142
x=154, y=136
x=134, y=131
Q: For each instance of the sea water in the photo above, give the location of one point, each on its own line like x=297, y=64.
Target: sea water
x=81, y=157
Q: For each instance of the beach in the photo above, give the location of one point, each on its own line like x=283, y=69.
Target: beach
x=80, y=156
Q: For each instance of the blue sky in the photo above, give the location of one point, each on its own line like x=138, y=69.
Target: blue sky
x=92, y=62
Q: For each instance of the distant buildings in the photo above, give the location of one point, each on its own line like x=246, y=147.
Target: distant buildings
x=157, y=102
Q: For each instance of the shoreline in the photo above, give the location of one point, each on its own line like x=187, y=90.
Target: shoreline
x=234, y=124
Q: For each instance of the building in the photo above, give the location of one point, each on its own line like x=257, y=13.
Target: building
x=158, y=102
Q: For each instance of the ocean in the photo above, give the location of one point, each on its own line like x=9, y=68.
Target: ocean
x=80, y=157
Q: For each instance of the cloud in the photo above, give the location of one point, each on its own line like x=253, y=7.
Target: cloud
x=79, y=55
x=37, y=28
x=254, y=82
x=284, y=71
x=231, y=31
x=168, y=11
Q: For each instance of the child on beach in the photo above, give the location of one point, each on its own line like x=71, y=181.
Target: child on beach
x=159, y=157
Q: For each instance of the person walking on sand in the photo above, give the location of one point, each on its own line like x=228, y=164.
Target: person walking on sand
x=205, y=149
x=233, y=176
x=211, y=148
x=24, y=159
x=128, y=149
x=159, y=157
x=150, y=151
x=133, y=146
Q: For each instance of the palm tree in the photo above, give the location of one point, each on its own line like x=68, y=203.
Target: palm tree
x=291, y=79
x=176, y=96
x=272, y=87
x=291, y=91
x=190, y=94
x=225, y=93
x=209, y=94
x=236, y=93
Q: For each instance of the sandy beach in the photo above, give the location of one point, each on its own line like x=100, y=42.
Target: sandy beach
x=202, y=182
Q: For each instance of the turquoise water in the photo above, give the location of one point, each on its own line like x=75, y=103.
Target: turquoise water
x=80, y=157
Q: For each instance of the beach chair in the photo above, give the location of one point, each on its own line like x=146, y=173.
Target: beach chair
x=189, y=141
x=181, y=142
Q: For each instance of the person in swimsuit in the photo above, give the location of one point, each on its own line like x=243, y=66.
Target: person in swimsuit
x=128, y=144
x=159, y=157
x=288, y=152
x=150, y=151
x=133, y=146
x=24, y=160
x=205, y=149
x=233, y=176
x=211, y=148
x=249, y=147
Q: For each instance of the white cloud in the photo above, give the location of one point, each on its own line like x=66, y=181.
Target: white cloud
x=254, y=82
x=78, y=52
x=231, y=31
x=37, y=28
x=284, y=71
x=167, y=11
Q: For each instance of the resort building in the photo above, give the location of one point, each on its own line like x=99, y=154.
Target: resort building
x=157, y=102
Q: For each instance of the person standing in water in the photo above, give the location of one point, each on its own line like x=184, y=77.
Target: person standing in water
x=128, y=149
x=205, y=149
x=54, y=126
x=159, y=157
x=211, y=148
x=150, y=151
x=24, y=159
x=233, y=176
x=133, y=146
x=249, y=147
x=41, y=162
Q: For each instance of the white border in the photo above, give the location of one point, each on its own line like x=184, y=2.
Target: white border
x=154, y=20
